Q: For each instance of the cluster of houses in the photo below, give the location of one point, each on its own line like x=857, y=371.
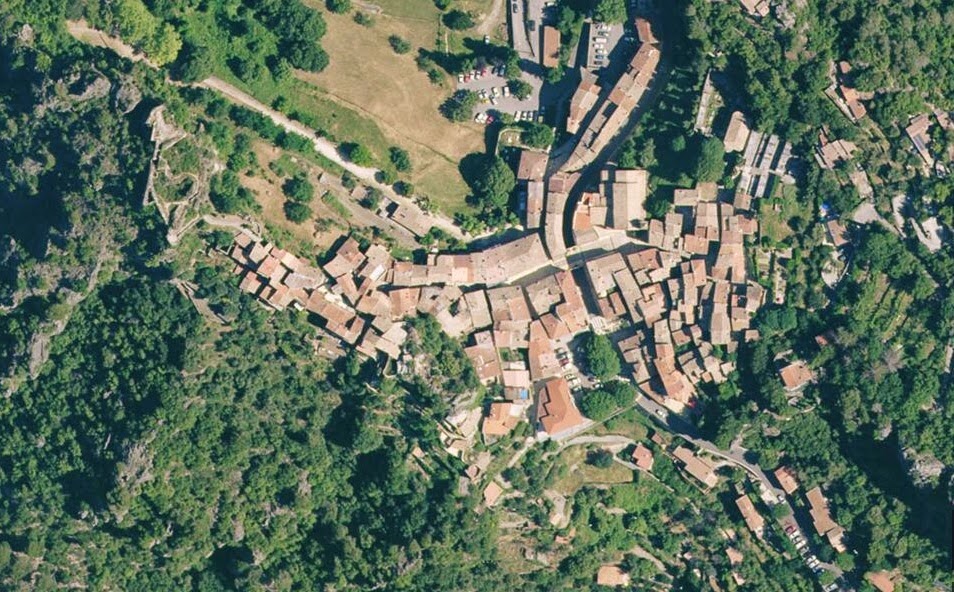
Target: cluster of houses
x=686, y=292
x=614, y=110
x=824, y=525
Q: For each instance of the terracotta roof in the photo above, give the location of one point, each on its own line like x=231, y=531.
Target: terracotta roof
x=752, y=518
x=551, y=47
x=556, y=411
x=643, y=457
x=795, y=375
x=532, y=165
x=501, y=419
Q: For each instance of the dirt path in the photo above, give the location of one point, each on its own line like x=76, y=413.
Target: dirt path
x=486, y=26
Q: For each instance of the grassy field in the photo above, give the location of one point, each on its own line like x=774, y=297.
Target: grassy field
x=581, y=473
x=374, y=96
x=774, y=224
x=368, y=93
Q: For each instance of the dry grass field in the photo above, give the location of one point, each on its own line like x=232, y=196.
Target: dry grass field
x=267, y=188
x=366, y=80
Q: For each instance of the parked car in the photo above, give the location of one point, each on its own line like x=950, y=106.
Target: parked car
x=789, y=529
x=660, y=413
x=514, y=7
x=486, y=38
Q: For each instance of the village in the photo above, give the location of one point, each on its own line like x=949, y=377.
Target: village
x=676, y=296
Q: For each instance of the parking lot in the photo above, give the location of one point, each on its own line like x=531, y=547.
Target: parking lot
x=804, y=550
x=491, y=85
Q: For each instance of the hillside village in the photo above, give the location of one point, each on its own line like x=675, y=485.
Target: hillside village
x=676, y=295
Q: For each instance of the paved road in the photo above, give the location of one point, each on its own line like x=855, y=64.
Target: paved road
x=518, y=30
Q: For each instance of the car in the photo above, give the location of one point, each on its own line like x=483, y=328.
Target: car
x=514, y=7
x=789, y=529
x=660, y=413
x=486, y=38
x=506, y=91
x=460, y=78
x=491, y=119
x=831, y=588
x=801, y=544
x=493, y=100
x=531, y=26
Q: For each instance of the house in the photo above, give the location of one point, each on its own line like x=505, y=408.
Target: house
x=501, y=419
x=882, y=580
x=532, y=165
x=584, y=98
x=918, y=131
x=492, y=493
x=786, y=479
x=736, y=134
x=644, y=31
x=556, y=411
x=752, y=518
x=534, y=211
x=643, y=457
x=837, y=233
x=795, y=376
x=612, y=576
x=697, y=467
x=550, y=57
x=756, y=7
x=626, y=191
x=822, y=520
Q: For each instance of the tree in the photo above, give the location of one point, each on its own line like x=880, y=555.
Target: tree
x=597, y=405
x=338, y=6
x=495, y=183
x=537, y=135
x=600, y=356
x=601, y=459
x=404, y=188
x=400, y=159
x=358, y=154
x=297, y=212
x=194, y=63
x=710, y=160
x=399, y=44
x=458, y=20
x=520, y=88
x=299, y=189
x=459, y=107
x=610, y=11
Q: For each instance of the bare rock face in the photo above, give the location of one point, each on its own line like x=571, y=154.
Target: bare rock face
x=127, y=95
x=924, y=468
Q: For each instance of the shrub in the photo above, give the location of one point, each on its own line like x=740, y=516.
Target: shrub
x=404, y=188
x=364, y=19
x=399, y=44
x=602, y=459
